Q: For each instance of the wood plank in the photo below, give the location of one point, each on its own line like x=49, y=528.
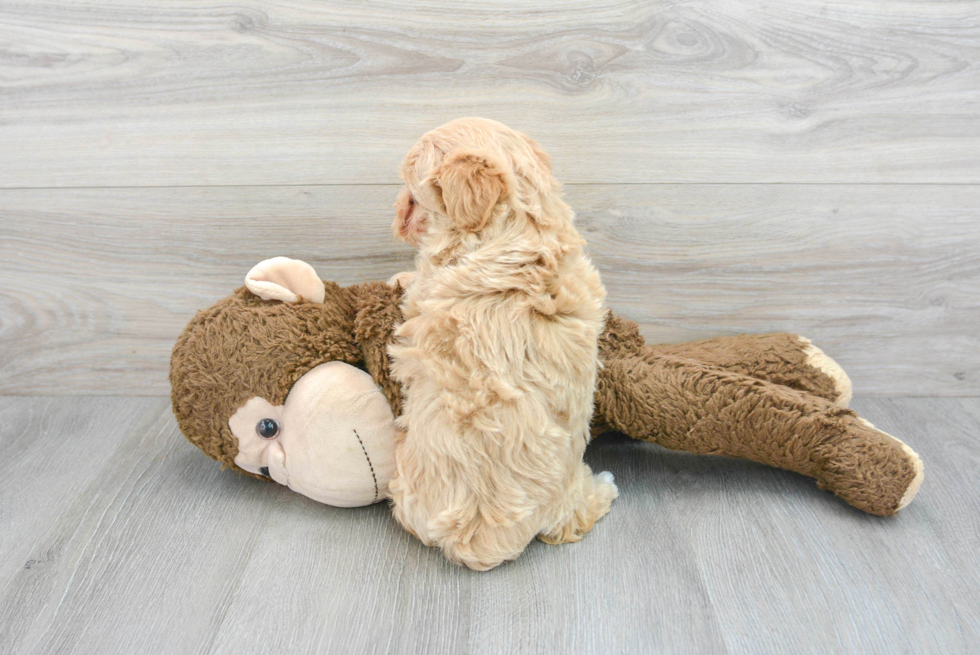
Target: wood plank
x=885, y=279
x=96, y=284
x=161, y=551
x=53, y=449
x=254, y=92
x=144, y=556
x=369, y=587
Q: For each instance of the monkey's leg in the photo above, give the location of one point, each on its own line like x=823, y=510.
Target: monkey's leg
x=781, y=358
x=686, y=405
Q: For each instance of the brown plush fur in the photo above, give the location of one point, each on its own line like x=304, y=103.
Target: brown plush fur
x=244, y=346
x=775, y=358
x=752, y=397
x=681, y=403
x=377, y=316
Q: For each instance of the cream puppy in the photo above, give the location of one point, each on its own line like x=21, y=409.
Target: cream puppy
x=498, y=351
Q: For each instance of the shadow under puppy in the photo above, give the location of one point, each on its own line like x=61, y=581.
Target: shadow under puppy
x=498, y=353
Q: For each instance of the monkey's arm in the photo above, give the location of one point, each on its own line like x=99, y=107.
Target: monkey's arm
x=377, y=314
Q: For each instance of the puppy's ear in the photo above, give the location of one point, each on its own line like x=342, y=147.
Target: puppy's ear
x=470, y=183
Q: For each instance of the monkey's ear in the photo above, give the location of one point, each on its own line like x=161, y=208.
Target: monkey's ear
x=470, y=183
x=285, y=279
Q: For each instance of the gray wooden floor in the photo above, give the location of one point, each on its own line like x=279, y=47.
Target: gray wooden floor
x=123, y=538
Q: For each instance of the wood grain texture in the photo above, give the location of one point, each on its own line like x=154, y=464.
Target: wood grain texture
x=188, y=93
x=46, y=475
x=143, y=556
x=96, y=284
x=155, y=549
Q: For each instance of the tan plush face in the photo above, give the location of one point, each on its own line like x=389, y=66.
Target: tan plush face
x=333, y=440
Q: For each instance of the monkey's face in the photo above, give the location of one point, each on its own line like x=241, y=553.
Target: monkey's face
x=266, y=381
x=333, y=440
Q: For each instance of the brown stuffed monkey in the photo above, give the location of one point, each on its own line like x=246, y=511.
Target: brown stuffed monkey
x=288, y=379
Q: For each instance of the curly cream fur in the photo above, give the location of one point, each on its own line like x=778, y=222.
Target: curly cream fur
x=498, y=352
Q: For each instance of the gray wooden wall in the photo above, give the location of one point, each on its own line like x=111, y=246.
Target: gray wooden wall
x=736, y=166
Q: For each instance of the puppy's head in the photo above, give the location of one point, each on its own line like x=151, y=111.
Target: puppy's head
x=467, y=177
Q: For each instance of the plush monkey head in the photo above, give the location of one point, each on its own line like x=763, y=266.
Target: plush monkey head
x=276, y=381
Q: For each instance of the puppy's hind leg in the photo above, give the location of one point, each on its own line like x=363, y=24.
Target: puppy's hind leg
x=587, y=500
x=480, y=542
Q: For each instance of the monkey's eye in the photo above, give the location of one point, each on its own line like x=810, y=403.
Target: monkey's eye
x=411, y=200
x=267, y=428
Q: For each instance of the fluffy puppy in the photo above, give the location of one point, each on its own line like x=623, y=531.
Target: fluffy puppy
x=498, y=352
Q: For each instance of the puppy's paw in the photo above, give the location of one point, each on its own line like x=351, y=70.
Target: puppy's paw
x=403, y=279
x=606, y=479
x=598, y=493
